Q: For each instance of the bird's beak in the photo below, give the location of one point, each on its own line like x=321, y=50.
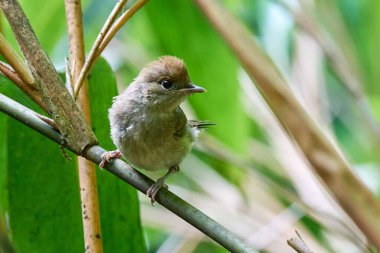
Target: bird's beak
x=192, y=88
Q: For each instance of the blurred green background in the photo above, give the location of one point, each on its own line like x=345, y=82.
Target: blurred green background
x=245, y=173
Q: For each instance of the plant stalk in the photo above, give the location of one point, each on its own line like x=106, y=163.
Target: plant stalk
x=86, y=169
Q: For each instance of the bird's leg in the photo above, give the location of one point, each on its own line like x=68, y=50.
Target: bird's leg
x=153, y=190
x=107, y=156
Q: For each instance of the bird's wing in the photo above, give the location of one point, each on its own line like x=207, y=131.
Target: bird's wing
x=180, y=124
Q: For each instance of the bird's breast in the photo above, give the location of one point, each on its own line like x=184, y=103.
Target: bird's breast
x=150, y=142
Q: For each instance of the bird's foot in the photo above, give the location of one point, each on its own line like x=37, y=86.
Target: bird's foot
x=153, y=190
x=107, y=156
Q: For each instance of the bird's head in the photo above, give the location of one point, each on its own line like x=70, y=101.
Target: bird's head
x=166, y=83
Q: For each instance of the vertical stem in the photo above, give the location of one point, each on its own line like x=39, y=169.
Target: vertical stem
x=86, y=169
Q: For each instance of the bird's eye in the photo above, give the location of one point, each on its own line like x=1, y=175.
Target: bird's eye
x=166, y=84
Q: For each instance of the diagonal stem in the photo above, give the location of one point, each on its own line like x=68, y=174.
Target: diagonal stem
x=120, y=22
x=33, y=93
x=95, y=48
x=16, y=62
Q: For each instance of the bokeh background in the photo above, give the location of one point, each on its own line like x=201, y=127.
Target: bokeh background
x=245, y=172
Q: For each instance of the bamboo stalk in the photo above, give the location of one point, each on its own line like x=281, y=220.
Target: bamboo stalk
x=354, y=197
x=86, y=169
x=133, y=177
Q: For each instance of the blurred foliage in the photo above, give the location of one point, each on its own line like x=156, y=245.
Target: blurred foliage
x=40, y=196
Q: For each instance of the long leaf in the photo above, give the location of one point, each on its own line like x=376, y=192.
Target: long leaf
x=119, y=206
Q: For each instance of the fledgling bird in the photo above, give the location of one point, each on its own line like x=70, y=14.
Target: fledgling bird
x=147, y=125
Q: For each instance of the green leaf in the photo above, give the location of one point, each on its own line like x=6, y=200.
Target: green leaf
x=47, y=19
x=119, y=206
x=39, y=187
x=43, y=196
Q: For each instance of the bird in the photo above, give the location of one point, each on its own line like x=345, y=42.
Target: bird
x=148, y=126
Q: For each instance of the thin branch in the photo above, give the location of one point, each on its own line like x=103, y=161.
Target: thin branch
x=86, y=169
x=120, y=22
x=133, y=177
x=108, y=37
x=95, y=47
x=16, y=62
x=353, y=196
x=7, y=71
x=61, y=105
x=48, y=121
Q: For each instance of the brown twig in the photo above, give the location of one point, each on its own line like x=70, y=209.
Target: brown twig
x=86, y=169
x=48, y=121
x=33, y=93
x=16, y=62
x=353, y=196
x=95, y=47
x=104, y=42
x=120, y=22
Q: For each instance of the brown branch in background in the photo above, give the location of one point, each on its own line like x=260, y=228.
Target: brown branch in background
x=86, y=169
x=16, y=62
x=106, y=38
x=95, y=47
x=359, y=203
x=344, y=68
x=33, y=93
x=299, y=245
x=62, y=107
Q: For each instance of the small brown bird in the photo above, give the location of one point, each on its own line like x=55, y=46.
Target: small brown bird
x=147, y=125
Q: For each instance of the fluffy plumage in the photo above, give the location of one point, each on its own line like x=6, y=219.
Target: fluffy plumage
x=148, y=126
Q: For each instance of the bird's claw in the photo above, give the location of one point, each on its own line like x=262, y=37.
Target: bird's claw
x=107, y=156
x=153, y=190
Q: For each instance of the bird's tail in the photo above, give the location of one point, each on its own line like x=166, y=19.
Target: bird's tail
x=199, y=124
